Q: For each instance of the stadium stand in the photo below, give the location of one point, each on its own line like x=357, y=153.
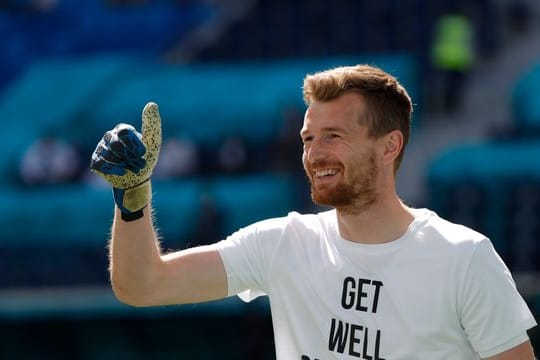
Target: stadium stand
x=525, y=103
x=481, y=185
x=82, y=27
x=75, y=68
x=197, y=101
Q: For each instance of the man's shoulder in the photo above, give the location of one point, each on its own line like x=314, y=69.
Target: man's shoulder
x=451, y=234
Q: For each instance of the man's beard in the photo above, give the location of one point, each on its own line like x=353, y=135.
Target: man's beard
x=353, y=194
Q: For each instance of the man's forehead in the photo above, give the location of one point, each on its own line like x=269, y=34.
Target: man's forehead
x=340, y=112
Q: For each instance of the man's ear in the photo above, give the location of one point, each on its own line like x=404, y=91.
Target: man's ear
x=393, y=143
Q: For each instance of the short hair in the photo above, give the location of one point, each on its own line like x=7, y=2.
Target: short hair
x=388, y=105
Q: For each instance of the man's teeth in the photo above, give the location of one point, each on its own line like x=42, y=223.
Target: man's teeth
x=325, y=172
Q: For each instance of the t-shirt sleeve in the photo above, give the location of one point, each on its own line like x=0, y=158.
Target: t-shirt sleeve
x=246, y=255
x=493, y=313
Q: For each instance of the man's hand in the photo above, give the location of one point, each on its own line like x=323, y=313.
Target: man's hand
x=126, y=158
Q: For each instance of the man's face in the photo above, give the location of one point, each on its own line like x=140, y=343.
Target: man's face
x=339, y=158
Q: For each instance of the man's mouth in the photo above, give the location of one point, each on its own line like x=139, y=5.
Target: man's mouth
x=322, y=173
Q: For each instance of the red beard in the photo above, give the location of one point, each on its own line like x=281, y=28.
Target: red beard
x=353, y=194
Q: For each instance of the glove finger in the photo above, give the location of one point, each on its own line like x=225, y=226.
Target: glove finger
x=103, y=167
x=118, y=148
x=151, y=138
x=104, y=152
x=132, y=141
x=135, y=164
x=151, y=133
x=114, y=150
x=114, y=153
x=124, y=141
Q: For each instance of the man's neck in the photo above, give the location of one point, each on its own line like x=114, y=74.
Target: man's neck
x=384, y=221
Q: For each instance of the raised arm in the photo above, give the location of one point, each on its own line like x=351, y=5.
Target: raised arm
x=140, y=274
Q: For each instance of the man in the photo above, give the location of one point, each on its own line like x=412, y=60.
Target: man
x=370, y=279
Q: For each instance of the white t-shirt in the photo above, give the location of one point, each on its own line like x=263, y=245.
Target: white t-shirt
x=438, y=292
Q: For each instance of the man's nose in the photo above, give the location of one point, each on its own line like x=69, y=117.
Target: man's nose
x=315, y=152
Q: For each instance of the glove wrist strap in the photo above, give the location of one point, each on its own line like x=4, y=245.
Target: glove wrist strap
x=131, y=216
x=137, y=197
x=132, y=201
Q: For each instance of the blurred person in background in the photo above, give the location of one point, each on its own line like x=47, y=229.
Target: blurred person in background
x=232, y=155
x=287, y=146
x=370, y=278
x=452, y=57
x=179, y=158
x=519, y=16
x=50, y=160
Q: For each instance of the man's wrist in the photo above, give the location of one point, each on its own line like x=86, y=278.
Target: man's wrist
x=134, y=199
x=132, y=216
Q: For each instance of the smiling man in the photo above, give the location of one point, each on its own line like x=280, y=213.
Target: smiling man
x=372, y=278
x=338, y=144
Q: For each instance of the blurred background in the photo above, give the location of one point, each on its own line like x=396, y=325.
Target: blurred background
x=227, y=76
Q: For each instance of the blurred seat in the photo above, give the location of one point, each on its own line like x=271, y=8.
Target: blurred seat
x=85, y=27
x=244, y=200
x=78, y=215
x=55, y=215
x=478, y=186
x=243, y=99
x=177, y=205
x=525, y=102
x=49, y=98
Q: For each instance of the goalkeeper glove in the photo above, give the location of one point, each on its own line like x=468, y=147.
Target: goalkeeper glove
x=126, y=158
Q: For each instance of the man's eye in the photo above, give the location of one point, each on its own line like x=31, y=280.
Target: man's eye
x=307, y=139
